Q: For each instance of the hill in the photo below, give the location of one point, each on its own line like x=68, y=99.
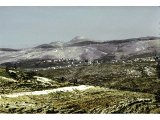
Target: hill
x=80, y=49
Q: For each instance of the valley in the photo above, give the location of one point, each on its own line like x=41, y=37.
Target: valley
x=82, y=76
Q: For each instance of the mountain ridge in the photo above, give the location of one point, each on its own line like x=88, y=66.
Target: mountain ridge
x=80, y=48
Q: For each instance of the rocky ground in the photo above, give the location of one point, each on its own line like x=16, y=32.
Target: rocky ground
x=124, y=87
x=87, y=100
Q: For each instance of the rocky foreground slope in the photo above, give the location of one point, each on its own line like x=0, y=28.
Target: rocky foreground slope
x=92, y=100
x=131, y=87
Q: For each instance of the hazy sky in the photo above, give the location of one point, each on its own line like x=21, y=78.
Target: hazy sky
x=29, y=26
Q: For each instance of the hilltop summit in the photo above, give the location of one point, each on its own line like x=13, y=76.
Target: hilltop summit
x=78, y=39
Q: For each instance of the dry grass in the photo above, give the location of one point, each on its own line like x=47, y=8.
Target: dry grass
x=95, y=100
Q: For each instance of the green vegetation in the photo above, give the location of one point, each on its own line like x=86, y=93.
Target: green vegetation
x=120, y=87
x=3, y=72
x=133, y=76
x=95, y=100
x=25, y=82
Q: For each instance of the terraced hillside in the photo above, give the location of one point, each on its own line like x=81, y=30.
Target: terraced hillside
x=9, y=84
x=120, y=87
x=93, y=100
x=137, y=75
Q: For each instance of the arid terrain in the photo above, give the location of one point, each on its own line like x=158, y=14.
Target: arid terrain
x=81, y=76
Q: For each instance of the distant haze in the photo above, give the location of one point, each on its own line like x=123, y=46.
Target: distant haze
x=22, y=27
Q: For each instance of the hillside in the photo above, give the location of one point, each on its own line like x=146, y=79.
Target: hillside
x=119, y=87
x=81, y=49
x=94, y=100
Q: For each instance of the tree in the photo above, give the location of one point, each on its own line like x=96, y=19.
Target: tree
x=7, y=69
x=158, y=70
x=157, y=59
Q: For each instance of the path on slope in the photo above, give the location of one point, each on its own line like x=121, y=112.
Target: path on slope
x=63, y=89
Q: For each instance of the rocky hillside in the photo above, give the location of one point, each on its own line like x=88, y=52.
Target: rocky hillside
x=95, y=100
x=81, y=48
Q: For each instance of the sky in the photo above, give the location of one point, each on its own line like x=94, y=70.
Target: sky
x=23, y=27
